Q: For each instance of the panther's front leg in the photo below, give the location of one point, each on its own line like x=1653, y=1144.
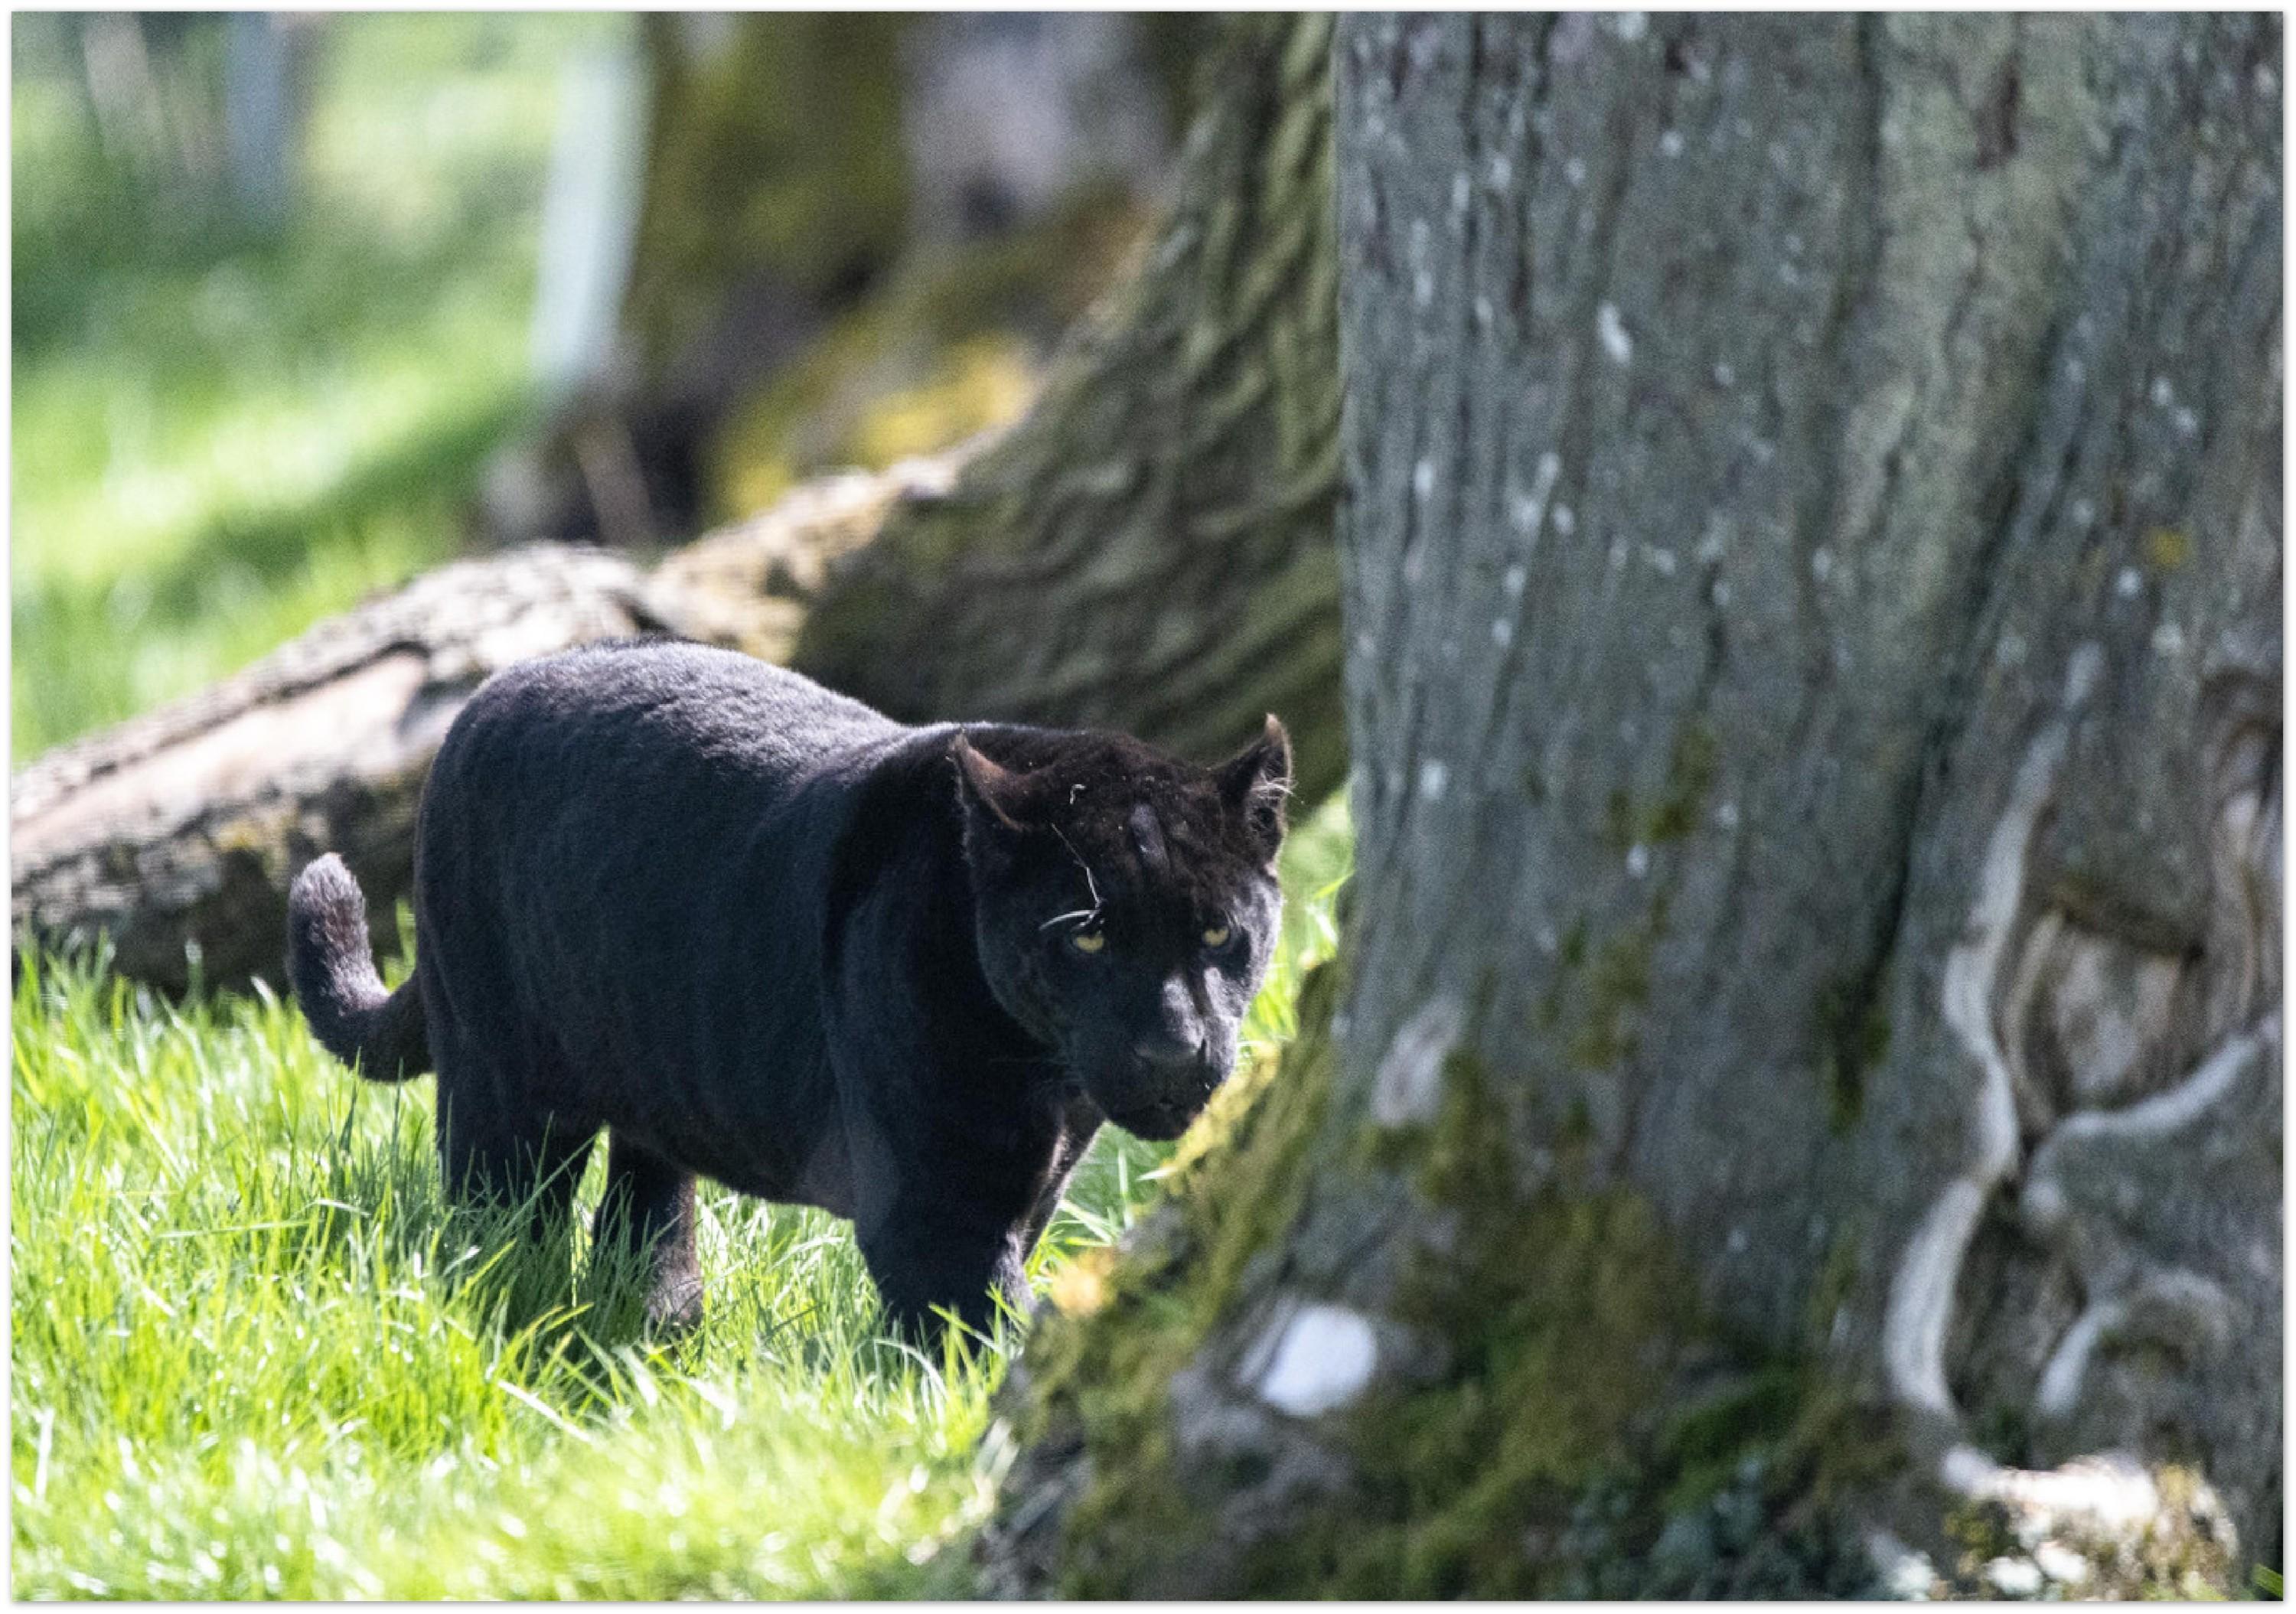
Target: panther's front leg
x=927, y=1248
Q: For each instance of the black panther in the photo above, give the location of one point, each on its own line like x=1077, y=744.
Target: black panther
x=760, y=932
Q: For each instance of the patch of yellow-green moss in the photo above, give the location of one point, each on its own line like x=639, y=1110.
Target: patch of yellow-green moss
x=1691, y=768
x=1588, y=1407
x=1609, y=977
x=1851, y=1027
x=1617, y=987
x=852, y=400
x=939, y=354
x=1561, y=1318
x=1559, y=1312
x=2168, y=547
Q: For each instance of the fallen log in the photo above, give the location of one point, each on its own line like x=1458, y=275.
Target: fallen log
x=175, y=835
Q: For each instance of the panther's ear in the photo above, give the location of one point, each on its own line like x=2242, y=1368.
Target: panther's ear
x=999, y=793
x=1258, y=783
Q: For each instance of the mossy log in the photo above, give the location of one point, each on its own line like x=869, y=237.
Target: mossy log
x=1801, y=1111
x=1149, y=550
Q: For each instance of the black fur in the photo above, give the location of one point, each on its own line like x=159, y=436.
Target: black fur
x=766, y=934
x=329, y=966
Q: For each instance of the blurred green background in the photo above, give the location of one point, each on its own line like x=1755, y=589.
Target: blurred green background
x=225, y=429
x=278, y=333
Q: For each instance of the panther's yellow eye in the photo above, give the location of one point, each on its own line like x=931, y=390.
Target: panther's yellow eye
x=1088, y=941
x=1217, y=936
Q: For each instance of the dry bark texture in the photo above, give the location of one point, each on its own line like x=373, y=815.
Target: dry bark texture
x=1150, y=551
x=1812, y=573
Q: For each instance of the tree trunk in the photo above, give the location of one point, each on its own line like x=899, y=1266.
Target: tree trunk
x=1150, y=550
x=774, y=156
x=1807, y=1054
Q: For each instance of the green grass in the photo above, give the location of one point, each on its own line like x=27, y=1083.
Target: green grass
x=220, y=437
x=254, y=1357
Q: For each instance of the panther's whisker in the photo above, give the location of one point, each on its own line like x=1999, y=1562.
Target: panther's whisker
x=1089, y=884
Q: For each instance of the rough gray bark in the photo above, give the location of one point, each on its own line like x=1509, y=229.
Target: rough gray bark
x=1925, y=766
x=1812, y=575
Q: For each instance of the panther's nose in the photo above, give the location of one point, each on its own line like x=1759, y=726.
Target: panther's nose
x=1166, y=1049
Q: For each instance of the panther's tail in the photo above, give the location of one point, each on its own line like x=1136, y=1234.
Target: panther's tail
x=330, y=964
